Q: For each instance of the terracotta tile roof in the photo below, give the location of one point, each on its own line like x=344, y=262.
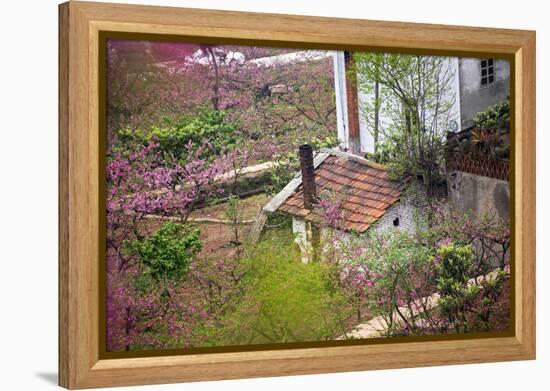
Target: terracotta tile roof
x=364, y=188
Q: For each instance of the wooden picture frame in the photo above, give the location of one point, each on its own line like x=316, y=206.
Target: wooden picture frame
x=80, y=26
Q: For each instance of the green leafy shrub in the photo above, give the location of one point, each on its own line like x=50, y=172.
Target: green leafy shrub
x=167, y=254
x=283, y=300
x=206, y=127
x=490, y=302
x=396, y=274
x=488, y=138
x=495, y=117
x=399, y=273
x=455, y=266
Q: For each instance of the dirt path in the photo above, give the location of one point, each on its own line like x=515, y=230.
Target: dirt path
x=217, y=237
x=217, y=233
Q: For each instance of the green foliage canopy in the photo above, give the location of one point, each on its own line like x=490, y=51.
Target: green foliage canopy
x=206, y=127
x=167, y=253
x=495, y=117
x=455, y=266
x=415, y=94
x=284, y=300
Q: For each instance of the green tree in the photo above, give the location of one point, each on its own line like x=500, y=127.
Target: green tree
x=283, y=300
x=495, y=117
x=401, y=276
x=414, y=92
x=454, y=264
x=206, y=127
x=167, y=253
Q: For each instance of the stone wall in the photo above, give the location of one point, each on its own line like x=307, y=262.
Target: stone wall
x=479, y=194
x=404, y=214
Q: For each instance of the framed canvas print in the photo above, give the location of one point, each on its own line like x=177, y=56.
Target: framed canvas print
x=247, y=195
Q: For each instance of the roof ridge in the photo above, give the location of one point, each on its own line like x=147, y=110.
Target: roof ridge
x=291, y=186
x=371, y=191
x=356, y=158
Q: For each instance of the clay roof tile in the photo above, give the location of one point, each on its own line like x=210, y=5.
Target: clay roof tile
x=364, y=188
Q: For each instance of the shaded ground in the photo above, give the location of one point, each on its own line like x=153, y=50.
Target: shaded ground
x=249, y=208
x=217, y=238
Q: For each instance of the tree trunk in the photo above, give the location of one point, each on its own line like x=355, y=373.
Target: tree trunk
x=127, y=329
x=216, y=98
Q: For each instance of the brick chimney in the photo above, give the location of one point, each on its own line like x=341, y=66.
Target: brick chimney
x=308, y=175
x=353, y=105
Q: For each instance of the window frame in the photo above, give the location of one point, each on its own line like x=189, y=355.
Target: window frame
x=490, y=72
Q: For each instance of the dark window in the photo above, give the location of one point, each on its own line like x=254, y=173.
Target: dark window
x=487, y=71
x=396, y=222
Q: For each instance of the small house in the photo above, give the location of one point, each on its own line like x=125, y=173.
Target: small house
x=369, y=198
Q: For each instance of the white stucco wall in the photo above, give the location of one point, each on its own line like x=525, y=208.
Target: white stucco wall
x=341, y=98
x=466, y=93
x=366, y=137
